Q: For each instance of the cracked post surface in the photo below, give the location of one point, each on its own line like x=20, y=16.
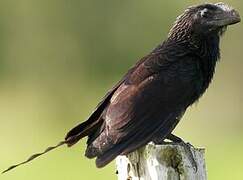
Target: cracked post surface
x=161, y=162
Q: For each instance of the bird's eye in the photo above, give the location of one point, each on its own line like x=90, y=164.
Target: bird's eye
x=204, y=13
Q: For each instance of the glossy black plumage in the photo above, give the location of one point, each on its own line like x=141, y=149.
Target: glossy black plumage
x=151, y=98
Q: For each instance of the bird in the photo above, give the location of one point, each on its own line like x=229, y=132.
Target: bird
x=150, y=99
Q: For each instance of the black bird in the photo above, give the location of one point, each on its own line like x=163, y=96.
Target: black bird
x=151, y=98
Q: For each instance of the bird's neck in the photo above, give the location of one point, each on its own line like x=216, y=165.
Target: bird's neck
x=204, y=49
x=202, y=45
x=206, y=46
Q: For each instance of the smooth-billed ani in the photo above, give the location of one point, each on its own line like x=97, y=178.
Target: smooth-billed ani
x=148, y=102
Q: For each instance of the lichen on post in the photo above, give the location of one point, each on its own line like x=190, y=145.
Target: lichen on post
x=162, y=162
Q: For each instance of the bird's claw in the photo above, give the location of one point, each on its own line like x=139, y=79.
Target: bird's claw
x=187, y=147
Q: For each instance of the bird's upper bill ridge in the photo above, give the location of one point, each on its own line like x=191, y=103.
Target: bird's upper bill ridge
x=229, y=15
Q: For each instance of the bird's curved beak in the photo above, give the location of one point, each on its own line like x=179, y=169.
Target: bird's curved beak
x=227, y=16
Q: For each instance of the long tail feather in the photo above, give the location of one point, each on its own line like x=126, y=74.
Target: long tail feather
x=69, y=141
x=34, y=156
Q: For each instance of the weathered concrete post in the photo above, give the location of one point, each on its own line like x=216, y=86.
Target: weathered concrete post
x=162, y=162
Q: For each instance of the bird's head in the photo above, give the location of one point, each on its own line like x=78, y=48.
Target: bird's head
x=204, y=19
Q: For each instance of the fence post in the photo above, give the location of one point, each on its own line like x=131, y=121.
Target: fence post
x=162, y=162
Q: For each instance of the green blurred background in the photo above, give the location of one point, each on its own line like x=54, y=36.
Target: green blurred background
x=59, y=57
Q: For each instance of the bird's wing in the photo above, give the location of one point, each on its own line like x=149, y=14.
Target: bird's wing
x=86, y=127
x=148, y=101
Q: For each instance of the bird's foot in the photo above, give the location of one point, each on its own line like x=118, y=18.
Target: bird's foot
x=177, y=140
x=187, y=146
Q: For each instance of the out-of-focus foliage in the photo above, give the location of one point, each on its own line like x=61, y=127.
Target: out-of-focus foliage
x=59, y=57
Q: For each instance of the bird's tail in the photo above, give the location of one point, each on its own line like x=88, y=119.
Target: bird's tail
x=72, y=138
x=34, y=156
